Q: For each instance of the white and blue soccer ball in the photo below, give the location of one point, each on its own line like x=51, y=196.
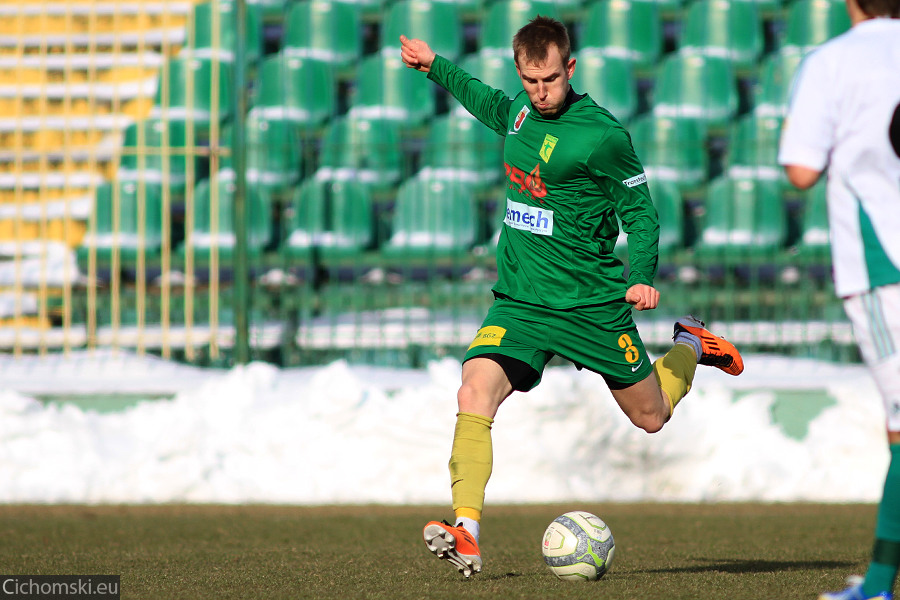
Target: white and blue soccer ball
x=578, y=546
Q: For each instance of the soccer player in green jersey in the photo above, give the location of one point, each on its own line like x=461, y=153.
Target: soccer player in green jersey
x=570, y=171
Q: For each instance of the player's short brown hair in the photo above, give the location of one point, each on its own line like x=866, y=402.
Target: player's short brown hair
x=880, y=8
x=533, y=40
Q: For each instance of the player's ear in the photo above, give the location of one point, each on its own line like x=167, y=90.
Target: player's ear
x=570, y=68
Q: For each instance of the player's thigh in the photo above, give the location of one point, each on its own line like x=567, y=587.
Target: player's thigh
x=643, y=398
x=875, y=317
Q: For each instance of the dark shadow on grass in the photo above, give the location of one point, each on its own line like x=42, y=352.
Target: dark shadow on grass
x=740, y=566
x=509, y=575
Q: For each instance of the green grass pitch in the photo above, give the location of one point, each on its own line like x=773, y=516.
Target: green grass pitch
x=665, y=551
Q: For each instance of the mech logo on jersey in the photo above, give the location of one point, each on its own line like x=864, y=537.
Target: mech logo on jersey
x=535, y=219
x=520, y=118
x=548, y=146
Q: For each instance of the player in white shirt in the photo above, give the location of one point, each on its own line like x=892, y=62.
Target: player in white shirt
x=844, y=116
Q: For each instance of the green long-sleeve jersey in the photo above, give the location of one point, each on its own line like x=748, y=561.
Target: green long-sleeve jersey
x=567, y=177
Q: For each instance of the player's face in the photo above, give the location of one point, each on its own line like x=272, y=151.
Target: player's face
x=547, y=82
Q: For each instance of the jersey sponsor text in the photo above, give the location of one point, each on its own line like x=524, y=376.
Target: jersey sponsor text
x=535, y=219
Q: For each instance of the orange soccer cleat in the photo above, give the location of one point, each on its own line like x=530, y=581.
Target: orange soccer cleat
x=454, y=544
x=715, y=351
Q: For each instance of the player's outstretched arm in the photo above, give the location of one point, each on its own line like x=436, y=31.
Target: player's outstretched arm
x=642, y=296
x=416, y=54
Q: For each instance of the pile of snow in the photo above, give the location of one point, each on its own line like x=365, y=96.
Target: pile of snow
x=345, y=434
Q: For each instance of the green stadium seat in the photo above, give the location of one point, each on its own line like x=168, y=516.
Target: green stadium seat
x=298, y=90
x=461, y=148
x=334, y=219
x=811, y=22
x=497, y=71
x=273, y=153
x=814, y=240
x=629, y=29
x=160, y=152
x=361, y=150
x=186, y=91
x=387, y=90
x=671, y=150
x=205, y=40
x=731, y=29
x=437, y=22
x=610, y=81
x=670, y=207
x=505, y=17
x=745, y=219
x=432, y=219
x=753, y=148
x=696, y=87
x=776, y=74
x=128, y=222
x=324, y=30
x=211, y=231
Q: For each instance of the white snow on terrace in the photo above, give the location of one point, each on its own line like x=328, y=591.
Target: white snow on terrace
x=347, y=434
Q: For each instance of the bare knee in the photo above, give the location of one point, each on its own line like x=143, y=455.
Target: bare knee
x=651, y=422
x=472, y=398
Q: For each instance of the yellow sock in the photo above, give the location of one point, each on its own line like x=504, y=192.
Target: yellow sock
x=675, y=372
x=471, y=461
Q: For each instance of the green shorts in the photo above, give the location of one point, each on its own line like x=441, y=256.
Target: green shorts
x=601, y=338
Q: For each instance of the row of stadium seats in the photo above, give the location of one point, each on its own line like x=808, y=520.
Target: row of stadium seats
x=340, y=223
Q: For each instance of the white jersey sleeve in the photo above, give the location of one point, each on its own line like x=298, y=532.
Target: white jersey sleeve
x=808, y=132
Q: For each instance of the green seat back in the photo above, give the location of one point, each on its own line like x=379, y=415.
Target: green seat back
x=194, y=89
x=776, y=74
x=744, y=217
x=273, y=152
x=332, y=216
x=432, y=216
x=157, y=150
x=671, y=149
x=811, y=22
x=139, y=218
x=213, y=202
x=437, y=22
x=753, y=148
x=212, y=31
x=360, y=149
x=387, y=89
x=629, y=29
x=669, y=206
x=326, y=30
x=692, y=86
x=462, y=148
x=610, y=81
x=301, y=90
x=728, y=28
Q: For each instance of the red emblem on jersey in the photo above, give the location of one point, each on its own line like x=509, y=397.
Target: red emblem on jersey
x=520, y=118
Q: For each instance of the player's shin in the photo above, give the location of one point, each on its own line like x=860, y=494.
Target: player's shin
x=886, y=554
x=675, y=372
x=471, y=462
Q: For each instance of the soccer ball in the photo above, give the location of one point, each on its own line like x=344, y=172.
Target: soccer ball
x=578, y=546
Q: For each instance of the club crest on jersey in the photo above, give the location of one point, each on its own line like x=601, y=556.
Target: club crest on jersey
x=520, y=118
x=548, y=146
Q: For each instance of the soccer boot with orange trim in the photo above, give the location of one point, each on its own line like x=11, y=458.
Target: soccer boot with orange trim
x=854, y=592
x=715, y=351
x=455, y=545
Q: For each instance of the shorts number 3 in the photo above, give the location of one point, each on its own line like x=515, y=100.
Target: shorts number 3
x=631, y=352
